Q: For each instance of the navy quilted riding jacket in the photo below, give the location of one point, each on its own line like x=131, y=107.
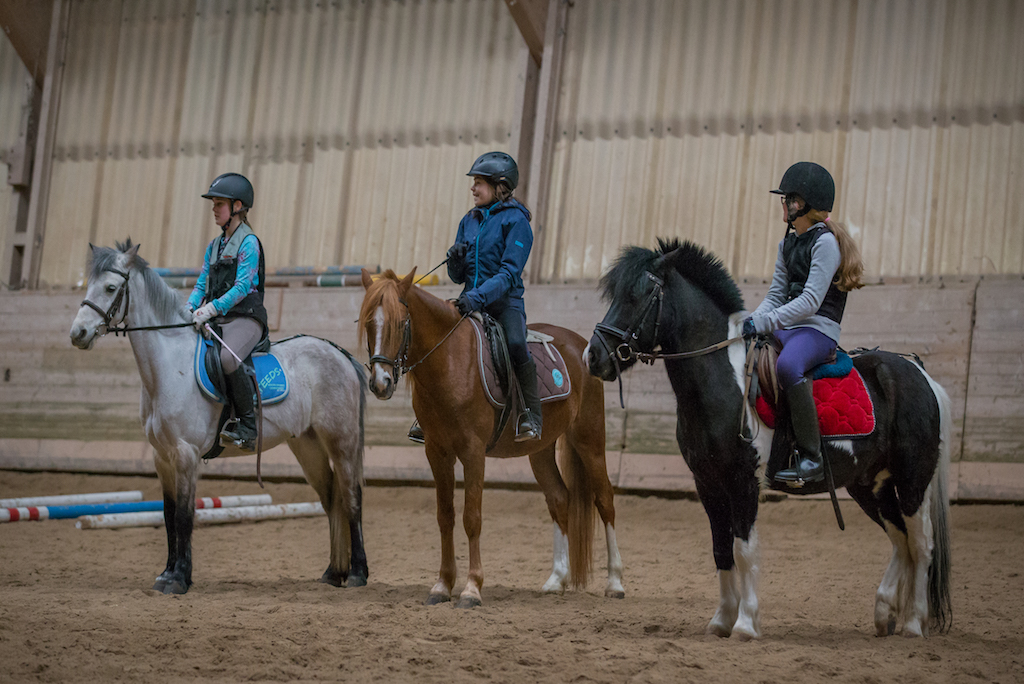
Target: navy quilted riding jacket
x=500, y=239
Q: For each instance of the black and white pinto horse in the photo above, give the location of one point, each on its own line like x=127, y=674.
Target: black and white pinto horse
x=681, y=298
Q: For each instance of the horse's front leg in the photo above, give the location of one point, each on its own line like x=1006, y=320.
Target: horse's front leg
x=716, y=505
x=167, y=484
x=473, y=468
x=443, y=468
x=181, y=468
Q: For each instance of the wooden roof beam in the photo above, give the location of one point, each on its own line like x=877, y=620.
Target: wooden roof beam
x=531, y=16
x=27, y=25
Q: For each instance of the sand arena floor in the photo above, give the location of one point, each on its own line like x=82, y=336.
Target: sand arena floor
x=76, y=606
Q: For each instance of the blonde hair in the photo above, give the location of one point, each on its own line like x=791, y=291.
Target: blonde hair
x=851, y=266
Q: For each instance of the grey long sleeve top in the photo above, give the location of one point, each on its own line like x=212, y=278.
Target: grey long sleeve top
x=775, y=313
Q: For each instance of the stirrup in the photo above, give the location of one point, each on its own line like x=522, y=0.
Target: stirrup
x=526, y=428
x=801, y=473
x=416, y=433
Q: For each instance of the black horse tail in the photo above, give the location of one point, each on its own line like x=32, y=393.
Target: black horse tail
x=940, y=606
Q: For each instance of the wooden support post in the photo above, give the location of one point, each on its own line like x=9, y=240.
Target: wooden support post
x=19, y=177
x=531, y=17
x=524, y=118
x=544, y=131
x=30, y=242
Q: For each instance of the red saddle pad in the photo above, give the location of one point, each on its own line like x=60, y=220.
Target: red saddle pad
x=845, y=409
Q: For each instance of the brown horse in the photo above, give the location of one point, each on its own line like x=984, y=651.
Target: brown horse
x=401, y=324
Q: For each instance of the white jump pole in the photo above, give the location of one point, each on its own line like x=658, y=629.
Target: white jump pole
x=66, y=499
x=203, y=516
x=156, y=506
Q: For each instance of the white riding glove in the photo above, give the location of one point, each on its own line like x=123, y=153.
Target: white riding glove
x=201, y=315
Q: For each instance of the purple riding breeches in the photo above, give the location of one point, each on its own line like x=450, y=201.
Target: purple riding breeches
x=802, y=350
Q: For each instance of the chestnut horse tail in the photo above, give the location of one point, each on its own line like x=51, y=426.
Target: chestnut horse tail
x=581, y=513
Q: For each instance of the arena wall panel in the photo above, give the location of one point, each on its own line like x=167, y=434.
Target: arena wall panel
x=53, y=396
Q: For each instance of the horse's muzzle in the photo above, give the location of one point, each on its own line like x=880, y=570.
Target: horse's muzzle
x=598, y=362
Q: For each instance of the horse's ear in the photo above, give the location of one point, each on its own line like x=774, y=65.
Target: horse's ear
x=367, y=279
x=132, y=251
x=407, y=282
x=92, y=248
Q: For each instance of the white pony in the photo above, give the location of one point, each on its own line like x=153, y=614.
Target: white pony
x=321, y=419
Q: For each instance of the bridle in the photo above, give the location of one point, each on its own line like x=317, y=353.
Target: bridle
x=626, y=350
x=398, y=364
x=123, y=293
x=398, y=367
x=108, y=316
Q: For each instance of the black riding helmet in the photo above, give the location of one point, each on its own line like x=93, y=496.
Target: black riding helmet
x=232, y=186
x=812, y=182
x=496, y=167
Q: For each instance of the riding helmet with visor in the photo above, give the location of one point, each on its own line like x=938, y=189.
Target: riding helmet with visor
x=232, y=186
x=812, y=182
x=496, y=167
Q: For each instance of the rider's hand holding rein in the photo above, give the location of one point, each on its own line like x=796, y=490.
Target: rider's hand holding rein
x=201, y=315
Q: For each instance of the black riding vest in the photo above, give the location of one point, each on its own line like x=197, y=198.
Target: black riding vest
x=796, y=253
x=221, y=278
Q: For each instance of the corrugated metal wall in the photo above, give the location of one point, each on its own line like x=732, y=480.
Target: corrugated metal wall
x=354, y=120
x=677, y=117
x=14, y=96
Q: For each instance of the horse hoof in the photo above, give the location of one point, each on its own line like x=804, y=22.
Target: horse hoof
x=175, y=587
x=614, y=593
x=468, y=602
x=717, y=631
x=160, y=585
x=435, y=599
x=332, y=577
x=356, y=581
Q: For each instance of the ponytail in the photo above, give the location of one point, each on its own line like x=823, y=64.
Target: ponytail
x=851, y=266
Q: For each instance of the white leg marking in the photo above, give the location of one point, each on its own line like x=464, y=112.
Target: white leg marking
x=746, y=553
x=559, y=563
x=920, y=544
x=728, y=603
x=614, y=587
x=889, y=596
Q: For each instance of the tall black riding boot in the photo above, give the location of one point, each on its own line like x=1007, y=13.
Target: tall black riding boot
x=807, y=454
x=242, y=433
x=531, y=420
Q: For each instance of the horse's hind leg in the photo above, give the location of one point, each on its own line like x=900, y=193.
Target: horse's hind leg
x=312, y=457
x=590, y=450
x=919, y=546
x=883, y=507
x=557, y=497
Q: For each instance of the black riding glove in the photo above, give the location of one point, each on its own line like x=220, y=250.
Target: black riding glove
x=749, y=331
x=457, y=261
x=463, y=305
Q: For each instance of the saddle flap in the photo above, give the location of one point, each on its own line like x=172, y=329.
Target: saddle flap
x=553, y=382
x=270, y=375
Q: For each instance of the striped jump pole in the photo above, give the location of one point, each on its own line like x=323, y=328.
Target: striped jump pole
x=67, y=499
x=203, y=516
x=61, y=512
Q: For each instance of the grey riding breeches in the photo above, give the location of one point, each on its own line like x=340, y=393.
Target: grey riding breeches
x=241, y=334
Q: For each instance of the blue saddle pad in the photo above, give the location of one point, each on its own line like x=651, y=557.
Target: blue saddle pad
x=272, y=380
x=840, y=369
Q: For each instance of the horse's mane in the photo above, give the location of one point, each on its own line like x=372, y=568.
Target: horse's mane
x=384, y=293
x=700, y=267
x=166, y=303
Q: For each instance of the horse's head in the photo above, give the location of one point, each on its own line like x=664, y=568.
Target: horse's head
x=671, y=296
x=106, y=297
x=385, y=325
x=634, y=290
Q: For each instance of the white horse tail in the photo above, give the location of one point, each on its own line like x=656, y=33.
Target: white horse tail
x=940, y=606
